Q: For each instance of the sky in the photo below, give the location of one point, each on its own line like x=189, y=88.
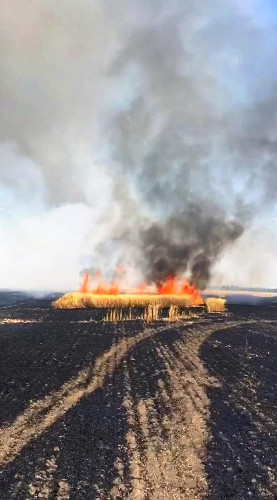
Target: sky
x=119, y=118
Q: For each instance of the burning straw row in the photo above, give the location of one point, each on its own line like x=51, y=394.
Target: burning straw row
x=78, y=300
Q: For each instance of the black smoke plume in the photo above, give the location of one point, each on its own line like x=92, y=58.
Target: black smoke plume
x=114, y=126
x=188, y=242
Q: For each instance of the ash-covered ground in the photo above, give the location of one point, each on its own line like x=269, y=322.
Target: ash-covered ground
x=93, y=410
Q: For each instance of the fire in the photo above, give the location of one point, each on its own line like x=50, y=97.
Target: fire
x=85, y=285
x=168, y=287
x=171, y=286
x=188, y=289
x=102, y=288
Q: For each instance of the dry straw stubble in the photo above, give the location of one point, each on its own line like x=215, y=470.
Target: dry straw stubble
x=78, y=300
x=215, y=304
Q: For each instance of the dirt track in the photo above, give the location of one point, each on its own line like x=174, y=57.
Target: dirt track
x=127, y=410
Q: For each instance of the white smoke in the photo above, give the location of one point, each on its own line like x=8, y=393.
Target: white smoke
x=252, y=260
x=42, y=252
x=113, y=113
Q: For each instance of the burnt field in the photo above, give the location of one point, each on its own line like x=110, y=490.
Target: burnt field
x=93, y=410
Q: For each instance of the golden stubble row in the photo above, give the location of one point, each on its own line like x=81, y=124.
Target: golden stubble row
x=78, y=300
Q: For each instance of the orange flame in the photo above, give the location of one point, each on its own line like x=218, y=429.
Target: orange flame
x=171, y=286
x=85, y=285
x=101, y=289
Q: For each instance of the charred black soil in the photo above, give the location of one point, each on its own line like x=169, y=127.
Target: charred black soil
x=93, y=410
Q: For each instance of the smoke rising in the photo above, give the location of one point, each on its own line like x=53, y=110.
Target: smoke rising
x=191, y=241
x=137, y=136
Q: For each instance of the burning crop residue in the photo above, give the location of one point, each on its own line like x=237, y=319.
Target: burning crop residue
x=172, y=286
x=101, y=288
x=168, y=287
x=173, y=299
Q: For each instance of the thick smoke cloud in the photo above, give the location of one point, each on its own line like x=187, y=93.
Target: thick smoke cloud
x=184, y=145
x=191, y=240
x=138, y=136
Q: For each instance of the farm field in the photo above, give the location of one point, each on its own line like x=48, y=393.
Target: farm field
x=250, y=297
x=93, y=410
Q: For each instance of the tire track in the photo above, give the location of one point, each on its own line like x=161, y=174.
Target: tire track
x=166, y=412
x=167, y=428
x=43, y=413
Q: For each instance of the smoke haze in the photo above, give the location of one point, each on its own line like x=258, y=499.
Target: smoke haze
x=139, y=135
